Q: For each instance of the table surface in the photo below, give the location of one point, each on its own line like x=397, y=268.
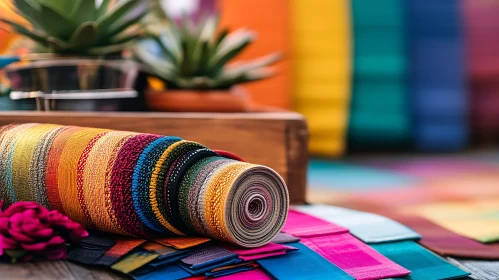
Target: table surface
x=50, y=270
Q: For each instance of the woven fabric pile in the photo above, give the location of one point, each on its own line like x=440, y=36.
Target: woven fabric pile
x=142, y=185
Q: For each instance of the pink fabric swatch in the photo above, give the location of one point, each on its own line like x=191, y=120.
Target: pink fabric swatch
x=354, y=257
x=262, y=255
x=303, y=225
x=254, y=274
x=269, y=250
x=271, y=247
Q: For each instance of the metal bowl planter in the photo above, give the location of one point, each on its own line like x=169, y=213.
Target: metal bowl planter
x=76, y=84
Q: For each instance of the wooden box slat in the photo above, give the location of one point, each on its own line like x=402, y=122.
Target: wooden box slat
x=275, y=139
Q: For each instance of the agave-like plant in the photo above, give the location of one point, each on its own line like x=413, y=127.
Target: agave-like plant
x=81, y=27
x=195, y=56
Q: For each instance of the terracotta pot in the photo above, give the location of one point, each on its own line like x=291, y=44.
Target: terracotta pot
x=235, y=99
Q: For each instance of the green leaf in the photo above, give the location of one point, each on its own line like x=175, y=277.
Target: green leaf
x=226, y=81
x=107, y=50
x=61, y=6
x=221, y=37
x=57, y=45
x=217, y=64
x=230, y=47
x=168, y=48
x=15, y=254
x=204, y=59
x=28, y=10
x=245, y=66
x=161, y=67
x=55, y=24
x=116, y=13
x=125, y=23
x=84, y=11
x=24, y=31
x=103, y=8
x=126, y=37
x=84, y=35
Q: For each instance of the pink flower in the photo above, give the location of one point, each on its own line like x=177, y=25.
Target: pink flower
x=28, y=227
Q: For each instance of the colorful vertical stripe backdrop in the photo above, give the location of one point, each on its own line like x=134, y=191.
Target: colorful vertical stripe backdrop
x=396, y=74
x=321, y=51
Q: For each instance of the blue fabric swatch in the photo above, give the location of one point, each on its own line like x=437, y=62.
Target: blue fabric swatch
x=168, y=272
x=229, y=271
x=302, y=264
x=205, y=269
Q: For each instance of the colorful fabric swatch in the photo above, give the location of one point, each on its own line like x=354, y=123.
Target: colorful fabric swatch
x=142, y=185
x=476, y=220
x=231, y=269
x=134, y=261
x=303, y=225
x=169, y=272
x=269, y=250
x=91, y=249
x=423, y=264
x=282, y=238
x=446, y=242
x=354, y=257
x=361, y=224
x=255, y=274
x=122, y=247
x=479, y=269
x=302, y=264
x=159, y=262
x=182, y=242
x=206, y=255
x=204, y=269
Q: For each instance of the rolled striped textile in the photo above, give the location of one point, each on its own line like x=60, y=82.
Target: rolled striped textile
x=141, y=185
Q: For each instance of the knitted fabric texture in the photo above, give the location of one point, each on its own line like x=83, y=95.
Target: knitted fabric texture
x=142, y=185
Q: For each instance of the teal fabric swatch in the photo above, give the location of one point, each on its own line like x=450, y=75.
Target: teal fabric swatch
x=302, y=264
x=423, y=264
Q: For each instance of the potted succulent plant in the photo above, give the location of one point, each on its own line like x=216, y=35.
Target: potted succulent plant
x=192, y=62
x=82, y=44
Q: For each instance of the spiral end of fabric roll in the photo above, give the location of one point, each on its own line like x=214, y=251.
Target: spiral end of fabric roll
x=257, y=207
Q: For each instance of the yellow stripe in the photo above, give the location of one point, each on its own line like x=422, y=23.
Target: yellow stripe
x=67, y=171
x=23, y=157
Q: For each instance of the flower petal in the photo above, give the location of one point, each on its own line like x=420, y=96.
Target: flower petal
x=4, y=225
x=9, y=243
x=42, y=233
x=56, y=240
x=34, y=247
x=78, y=234
x=20, y=237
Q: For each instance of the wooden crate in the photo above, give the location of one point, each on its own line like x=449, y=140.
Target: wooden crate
x=275, y=139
